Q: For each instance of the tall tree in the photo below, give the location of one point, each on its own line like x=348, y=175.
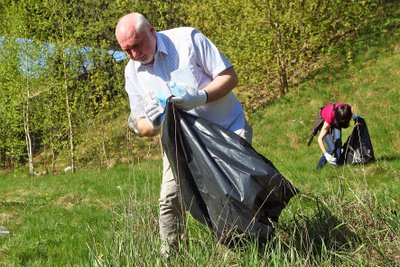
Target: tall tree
x=275, y=43
x=12, y=146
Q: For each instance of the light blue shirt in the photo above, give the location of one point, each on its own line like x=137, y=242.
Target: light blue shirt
x=183, y=55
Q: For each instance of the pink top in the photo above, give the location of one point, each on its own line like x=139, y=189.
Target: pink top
x=328, y=113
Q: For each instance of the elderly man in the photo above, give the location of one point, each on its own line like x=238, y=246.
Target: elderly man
x=180, y=56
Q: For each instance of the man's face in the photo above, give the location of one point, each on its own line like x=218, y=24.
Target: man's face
x=140, y=46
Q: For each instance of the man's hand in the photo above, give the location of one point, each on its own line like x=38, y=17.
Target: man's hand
x=330, y=159
x=154, y=113
x=132, y=124
x=191, y=99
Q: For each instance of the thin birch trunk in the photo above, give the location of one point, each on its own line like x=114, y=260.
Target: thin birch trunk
x=103, y=141
x=69, y=112
x=53, y=158
x=280, y=57
x=28, y=139
x=281, y=62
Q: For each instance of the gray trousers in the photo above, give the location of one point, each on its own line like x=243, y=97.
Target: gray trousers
x=171, y=214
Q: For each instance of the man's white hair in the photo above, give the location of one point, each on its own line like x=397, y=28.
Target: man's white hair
x=132, y=19
x=140, y=22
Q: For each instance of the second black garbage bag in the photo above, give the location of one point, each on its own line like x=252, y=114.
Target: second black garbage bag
x=358, y=147
x=223, y=181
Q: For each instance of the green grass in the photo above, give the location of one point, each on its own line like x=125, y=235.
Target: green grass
x=346, y=216
x=56, y=220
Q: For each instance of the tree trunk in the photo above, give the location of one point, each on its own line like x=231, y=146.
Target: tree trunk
x=53, y=158
x=28, y=139
x=274, y=21
x=282, y=66
x=69, y=111
x=71, y=130
x=103, y=141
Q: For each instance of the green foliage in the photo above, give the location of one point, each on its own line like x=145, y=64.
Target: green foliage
x=74, y=87
x=347, y=216
x=12, y=141
x=68, y=80
x=275, y=44
x=162, y=14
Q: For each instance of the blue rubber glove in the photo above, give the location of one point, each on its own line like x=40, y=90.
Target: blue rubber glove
x=154, y=112
x=188, y=98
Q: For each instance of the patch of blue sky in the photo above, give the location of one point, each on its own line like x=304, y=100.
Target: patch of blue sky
x=118, y=55
x=33, y=55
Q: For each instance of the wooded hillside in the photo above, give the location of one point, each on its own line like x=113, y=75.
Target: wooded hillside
x=62, y=98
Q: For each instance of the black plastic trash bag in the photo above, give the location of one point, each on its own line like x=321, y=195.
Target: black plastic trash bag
x=358, y=147
x=224, y=182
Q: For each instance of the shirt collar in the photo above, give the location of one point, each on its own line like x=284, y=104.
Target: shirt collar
x=160, y=49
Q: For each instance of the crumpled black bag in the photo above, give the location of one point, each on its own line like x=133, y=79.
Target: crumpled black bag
x=358, y=147
x=223, y=181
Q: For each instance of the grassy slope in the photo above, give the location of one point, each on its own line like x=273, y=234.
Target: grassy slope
x=354, y=196
x=370, y=85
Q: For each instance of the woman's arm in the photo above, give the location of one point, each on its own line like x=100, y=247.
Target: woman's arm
x=324, y=131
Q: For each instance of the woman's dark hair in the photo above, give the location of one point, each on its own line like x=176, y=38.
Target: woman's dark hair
x=343, y=115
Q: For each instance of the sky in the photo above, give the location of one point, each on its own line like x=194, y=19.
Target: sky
x=32, y=65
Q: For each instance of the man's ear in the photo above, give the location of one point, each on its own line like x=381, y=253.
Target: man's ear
x=151, y=28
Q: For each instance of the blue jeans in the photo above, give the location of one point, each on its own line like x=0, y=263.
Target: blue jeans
x=333, y=140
